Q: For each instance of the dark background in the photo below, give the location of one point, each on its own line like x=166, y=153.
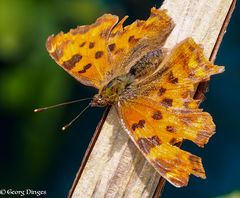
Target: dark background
x=36, y=154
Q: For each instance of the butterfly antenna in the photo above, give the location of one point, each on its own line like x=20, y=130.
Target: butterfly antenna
x=73, y=120
x=61, y=104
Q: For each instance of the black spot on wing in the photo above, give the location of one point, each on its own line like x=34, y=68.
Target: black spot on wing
x=157, y=115
x=140, y=124
x=167, y=102
x=111, y=47
x=172, y=79
x=170, y=129
x=69, y=64
x=91, y=45
x=82, y=44
x=161, y=91
x=146, y=144
x=85, y=68
x=98, y=54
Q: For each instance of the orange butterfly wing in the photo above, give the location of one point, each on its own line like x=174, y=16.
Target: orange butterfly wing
x=82, y=51
x=135, y=40
x=93, y=54
x=160, y=112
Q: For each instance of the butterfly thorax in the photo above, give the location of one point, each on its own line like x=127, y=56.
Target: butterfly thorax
x=110, y=93
x=118, y=86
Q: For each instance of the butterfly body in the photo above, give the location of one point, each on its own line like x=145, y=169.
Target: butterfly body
x=121, y=87
x=152, y=89
x=111, y=93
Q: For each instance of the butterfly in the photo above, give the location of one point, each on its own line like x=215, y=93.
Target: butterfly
x=151, y=87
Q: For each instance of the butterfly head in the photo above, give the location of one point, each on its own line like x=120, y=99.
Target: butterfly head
x=99, y=101
x=110, y=93
x=103, y=98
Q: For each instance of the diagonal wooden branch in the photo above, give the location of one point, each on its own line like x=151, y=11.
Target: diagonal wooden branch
x=112, y=166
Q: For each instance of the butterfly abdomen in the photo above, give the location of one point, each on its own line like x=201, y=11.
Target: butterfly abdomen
x=147, y=64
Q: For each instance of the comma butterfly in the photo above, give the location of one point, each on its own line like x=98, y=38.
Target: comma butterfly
x=151, y=88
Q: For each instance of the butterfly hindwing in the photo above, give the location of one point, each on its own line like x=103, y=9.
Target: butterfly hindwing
x=156, y=132
x=160, y=112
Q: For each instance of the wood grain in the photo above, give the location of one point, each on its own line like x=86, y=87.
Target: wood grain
x=112, y=166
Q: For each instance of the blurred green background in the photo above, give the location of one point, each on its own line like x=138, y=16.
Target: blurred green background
x=36, y=154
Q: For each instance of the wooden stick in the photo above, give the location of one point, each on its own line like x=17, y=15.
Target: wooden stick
x=112, y=166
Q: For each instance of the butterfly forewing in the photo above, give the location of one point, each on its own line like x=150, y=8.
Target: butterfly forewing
x=131, y=42
x=94, y=54
x=82, y=52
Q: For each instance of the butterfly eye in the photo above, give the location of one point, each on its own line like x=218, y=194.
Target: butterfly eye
x=97, y=100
